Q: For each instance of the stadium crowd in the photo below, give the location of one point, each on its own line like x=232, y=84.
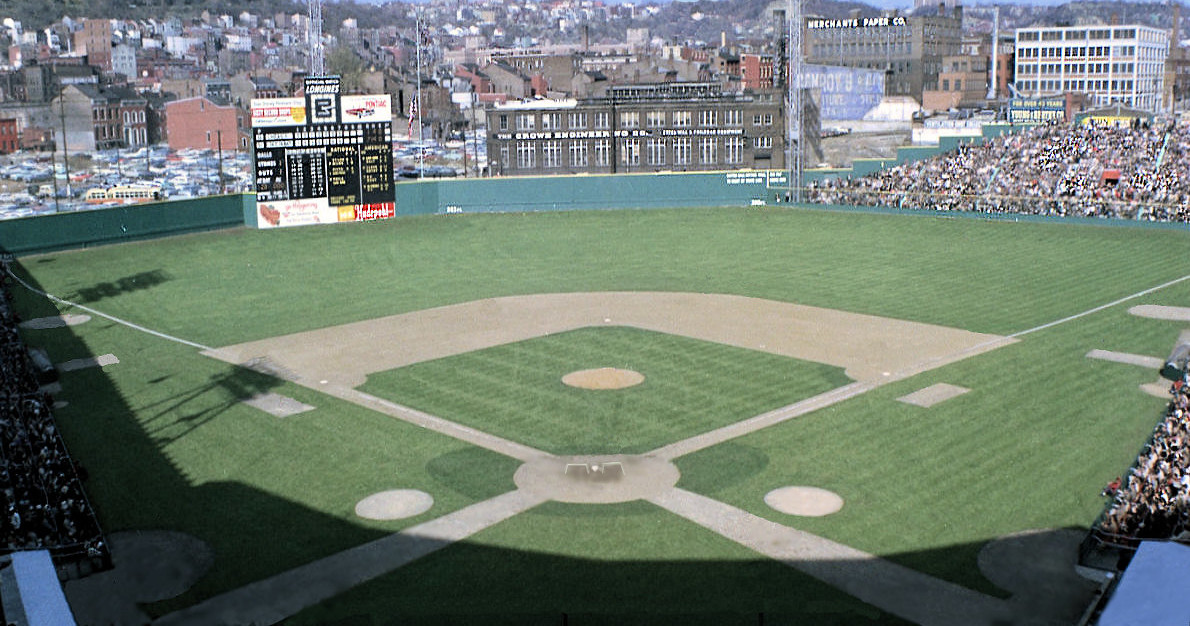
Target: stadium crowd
x=1154, y=501
x=1138, y=172
x=44, y=506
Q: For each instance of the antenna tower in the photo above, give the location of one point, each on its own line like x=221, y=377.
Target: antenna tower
x=314, y=38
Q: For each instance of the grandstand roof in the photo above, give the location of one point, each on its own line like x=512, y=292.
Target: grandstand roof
x=1153, y=588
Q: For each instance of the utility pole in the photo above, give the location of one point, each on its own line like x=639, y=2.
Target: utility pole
x=219, y=138
x=65, y=151
x=54, y=174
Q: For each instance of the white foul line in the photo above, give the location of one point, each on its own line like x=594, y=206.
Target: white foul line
x=1101, y=307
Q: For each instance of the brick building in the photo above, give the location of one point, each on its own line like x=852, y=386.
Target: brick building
x=203, y=124
x=10, y=139
x=640, y=128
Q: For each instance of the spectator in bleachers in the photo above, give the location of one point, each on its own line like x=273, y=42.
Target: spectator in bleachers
x=1066, y=170
x=1154, y=501
x=42, y=503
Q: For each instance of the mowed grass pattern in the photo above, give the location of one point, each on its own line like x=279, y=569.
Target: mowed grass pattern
x=996, y=277
x=691, y=386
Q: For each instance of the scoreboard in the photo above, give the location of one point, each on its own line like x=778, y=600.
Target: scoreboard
x=324, y=157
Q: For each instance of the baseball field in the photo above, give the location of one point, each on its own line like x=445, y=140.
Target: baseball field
x=715, y=416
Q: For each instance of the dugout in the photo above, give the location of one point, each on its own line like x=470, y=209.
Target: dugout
x=1179, y=359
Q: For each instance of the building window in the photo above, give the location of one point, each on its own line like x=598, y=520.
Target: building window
x=706, y=117
x=578, y=120
x=655, y=119
x=551, y=121
x=706, y=150
x=682, y=151
x=504, y=156
x=526, y=122
x=602, y=119
x=681, y=119
x=629, y=119
x=763, y=143
x=733, y=150
x=578, y=154
x=603, y=153
x=525, y=154
x=551, y=153
x=733, y=117
x=630, y=151
x=503, y=121
x=656, y=150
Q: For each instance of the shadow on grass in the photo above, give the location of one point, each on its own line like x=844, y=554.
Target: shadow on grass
x=108, y=289
x=134, y=485
x=236, y=385
x=467, y=583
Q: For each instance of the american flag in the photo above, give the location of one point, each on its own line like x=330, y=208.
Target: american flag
x=412, y=114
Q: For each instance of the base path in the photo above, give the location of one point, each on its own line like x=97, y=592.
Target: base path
x=273, y=599
x=904, y=592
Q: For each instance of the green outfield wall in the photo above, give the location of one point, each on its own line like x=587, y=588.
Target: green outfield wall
x=83, y=229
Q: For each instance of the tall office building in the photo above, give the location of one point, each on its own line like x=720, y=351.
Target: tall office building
x=1110, y=64
x=909, y=49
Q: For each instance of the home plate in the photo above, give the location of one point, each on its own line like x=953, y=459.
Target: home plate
x=395, y=504
x=933, y=394
x=804, y=501
x=96, y=361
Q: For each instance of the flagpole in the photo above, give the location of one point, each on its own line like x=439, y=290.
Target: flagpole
x=421, y=151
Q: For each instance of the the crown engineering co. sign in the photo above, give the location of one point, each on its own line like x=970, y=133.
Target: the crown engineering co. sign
x=323, y=158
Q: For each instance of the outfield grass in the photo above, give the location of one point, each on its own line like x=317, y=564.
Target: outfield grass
x=169, y=445
x=235, y=286
x=691, y=386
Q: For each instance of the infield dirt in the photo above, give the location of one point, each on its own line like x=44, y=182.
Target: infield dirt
x=868, y=347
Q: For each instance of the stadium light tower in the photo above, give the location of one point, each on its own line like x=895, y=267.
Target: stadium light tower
x=314, y=38
x=794, y=114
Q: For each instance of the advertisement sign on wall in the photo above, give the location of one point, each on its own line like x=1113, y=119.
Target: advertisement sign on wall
x=323, y=158
x=848, y=93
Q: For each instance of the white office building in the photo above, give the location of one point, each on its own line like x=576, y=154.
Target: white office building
x=1111, y=64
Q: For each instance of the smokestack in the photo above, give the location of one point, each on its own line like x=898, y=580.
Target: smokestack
x=722, y=40
x=1115, y=19
x=1177, y=23
x=586, y=37
x=941, y=9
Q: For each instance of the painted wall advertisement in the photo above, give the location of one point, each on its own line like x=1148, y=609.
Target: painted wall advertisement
x=848, y=93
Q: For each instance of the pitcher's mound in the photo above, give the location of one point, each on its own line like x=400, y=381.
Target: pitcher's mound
x=603, y=378
x=804, y=501
x=395, y=504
